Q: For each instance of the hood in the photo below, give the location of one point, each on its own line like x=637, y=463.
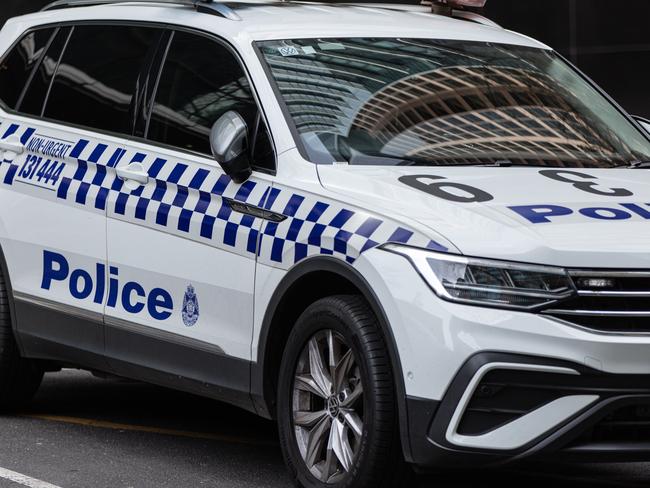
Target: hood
x=570, y=217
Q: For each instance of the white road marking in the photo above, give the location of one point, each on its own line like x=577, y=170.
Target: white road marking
x=21, y=479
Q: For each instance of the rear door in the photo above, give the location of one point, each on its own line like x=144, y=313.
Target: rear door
x=67, y=110
x=182, y=259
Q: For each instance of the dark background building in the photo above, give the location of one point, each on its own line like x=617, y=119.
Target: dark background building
x=608, y=39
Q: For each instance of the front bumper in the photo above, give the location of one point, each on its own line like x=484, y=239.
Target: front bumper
x=579, y=393
x=504, y=407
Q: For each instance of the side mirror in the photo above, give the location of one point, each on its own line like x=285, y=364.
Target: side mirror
x=229, y=144
x=645, y=123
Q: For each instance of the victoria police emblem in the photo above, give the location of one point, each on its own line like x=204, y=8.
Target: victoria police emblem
x=190, y=310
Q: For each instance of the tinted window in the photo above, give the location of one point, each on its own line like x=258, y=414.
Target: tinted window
x=17, y=66
x=97, y=76
x=263, y=154
x=200, y=81
x=428, y=102
x=34, y=97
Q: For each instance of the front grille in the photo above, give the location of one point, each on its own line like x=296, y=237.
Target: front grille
x=628, y=424
x=608, y=301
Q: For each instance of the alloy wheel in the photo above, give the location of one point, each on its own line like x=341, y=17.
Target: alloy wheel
x=328, y=406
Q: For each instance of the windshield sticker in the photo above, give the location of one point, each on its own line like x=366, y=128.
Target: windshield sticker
x=331, y=46
x=289, y=51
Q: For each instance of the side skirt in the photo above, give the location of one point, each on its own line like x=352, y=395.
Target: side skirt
x=53, y=331
x=178, y=362
x=76, y=337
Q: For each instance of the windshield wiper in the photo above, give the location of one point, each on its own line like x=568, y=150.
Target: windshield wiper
x=638, y=165
x=504, y=163
x=411, y=161
x=386, y=159
x=495, y=164
x=378, y=158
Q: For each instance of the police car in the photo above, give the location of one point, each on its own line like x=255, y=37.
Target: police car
x=405, y=233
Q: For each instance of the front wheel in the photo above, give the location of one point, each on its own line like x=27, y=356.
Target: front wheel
x=336, y=399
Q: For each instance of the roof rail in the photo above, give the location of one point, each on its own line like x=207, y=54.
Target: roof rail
x=474, y=17
x=204, y=6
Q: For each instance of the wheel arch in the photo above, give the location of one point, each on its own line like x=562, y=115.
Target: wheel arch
x=289, y=300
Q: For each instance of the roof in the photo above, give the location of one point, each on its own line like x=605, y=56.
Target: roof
x=271, y=19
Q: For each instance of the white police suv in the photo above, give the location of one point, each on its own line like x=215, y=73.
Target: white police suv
x=405, y=235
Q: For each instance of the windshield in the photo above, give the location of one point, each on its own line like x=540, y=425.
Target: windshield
x=443, y=102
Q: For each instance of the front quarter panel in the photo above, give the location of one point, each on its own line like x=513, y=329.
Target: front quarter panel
x=317, y=221
x=421, y=339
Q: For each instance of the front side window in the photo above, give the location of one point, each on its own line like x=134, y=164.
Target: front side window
x=443, y=102
x=17, y=66
x=200, y=81
x=96, y=79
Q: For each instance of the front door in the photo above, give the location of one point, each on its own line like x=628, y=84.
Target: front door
x=181, y=260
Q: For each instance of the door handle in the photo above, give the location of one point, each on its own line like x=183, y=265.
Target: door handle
x=12, y=145
x=133, y=172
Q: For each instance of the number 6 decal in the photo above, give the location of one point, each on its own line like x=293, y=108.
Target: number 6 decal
x=467, y=194
x=581, y=184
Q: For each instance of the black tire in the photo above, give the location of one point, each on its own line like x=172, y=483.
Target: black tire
x=378, y=460
x=19, y=377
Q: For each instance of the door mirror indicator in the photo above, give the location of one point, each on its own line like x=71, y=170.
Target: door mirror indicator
x=229, y=144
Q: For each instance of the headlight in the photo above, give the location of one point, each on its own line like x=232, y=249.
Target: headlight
x=486, y=281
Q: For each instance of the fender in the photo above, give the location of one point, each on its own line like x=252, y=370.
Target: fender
x=260, y=385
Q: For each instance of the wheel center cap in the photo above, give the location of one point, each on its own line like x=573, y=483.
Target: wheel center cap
x=333, y=406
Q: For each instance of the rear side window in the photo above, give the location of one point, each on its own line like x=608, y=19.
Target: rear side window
x=34, y=97
x=200, y=81
x=18, y=65
x=97, y=76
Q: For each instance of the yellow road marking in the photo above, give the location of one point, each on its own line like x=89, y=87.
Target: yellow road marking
x=103, y=424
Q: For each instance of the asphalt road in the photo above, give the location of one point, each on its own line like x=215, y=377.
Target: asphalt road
x=84, y=432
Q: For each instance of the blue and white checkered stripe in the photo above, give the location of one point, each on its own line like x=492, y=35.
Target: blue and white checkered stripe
x=8, y=168
x=185, y=200
x=318, y=227
x=188, y=201
x=91, y=182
